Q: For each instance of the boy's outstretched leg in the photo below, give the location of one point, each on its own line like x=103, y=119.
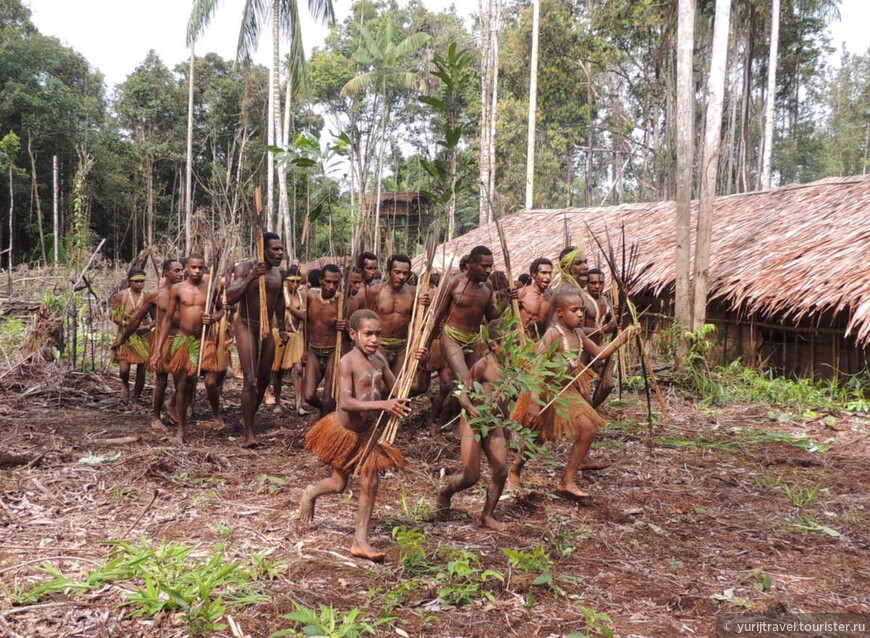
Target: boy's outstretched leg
x=567, y=484
x=368, y=492
x=332, y=485
x=495, y=448
x=469, y=449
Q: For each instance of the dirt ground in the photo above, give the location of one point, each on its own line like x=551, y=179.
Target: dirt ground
x=708, y=520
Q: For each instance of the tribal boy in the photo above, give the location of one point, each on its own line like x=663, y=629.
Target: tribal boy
x=288, y=356
x=154, y=307
x=188, y=299
x=339, y=439
x=534, y=299
x=393, y=301
x=579, y=421
x=257, y=353
x=322, y=323
x=485, y=372
x=124, y=306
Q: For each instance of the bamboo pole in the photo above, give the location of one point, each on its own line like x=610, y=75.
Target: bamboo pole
x=257, y=232
x=209, y=298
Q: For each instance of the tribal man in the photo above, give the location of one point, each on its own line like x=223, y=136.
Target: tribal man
x=257, y=353
x=534, y=299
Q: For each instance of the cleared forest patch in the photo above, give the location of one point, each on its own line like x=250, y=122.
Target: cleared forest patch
x=733, y=508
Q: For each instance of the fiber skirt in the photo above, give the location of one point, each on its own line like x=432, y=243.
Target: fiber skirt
x=289, y=354
x=340, y=448
x=564, y=420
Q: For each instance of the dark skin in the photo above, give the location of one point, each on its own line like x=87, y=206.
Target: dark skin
x=297, y=304
x=486, y=372
x=130, y=301
x=595, y=288
x=322, y=325
x=154, y=306
x=470, y=302
x=255, y=352
x=364, y=379
x=569, y=317
x=187, y=301
x=393, y=301
x=535, y=301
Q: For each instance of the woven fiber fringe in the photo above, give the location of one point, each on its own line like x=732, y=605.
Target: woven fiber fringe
x=561, y=422
x=211, y=362
x=337, y=446
x=135, y=350
x=436, y=357
x=180, y=361
x=165, y=356
x=288, y=354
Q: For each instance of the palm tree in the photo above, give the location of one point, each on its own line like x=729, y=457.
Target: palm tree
x=387, y=61
x=283, y=16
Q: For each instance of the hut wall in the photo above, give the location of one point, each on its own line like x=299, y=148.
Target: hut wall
x=815, y=349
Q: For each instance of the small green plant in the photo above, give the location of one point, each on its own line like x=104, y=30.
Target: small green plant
x=329, y=623
x=414, y=557
x=760, y=579
x=122, y=493
x=269, y=484
x=596, y=624
x=537, y=561
x=168, y=577
x=463, y=581
x=224, y=530
x=811, y=525
x=415, y=508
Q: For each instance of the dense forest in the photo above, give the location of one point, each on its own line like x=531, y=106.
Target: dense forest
x=391, y=101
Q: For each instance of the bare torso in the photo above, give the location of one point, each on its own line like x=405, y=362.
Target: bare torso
x=322, y=316
x=470, y=303
x=190, y=304
x=394, y=307
x=534, y=308
x=369, y=383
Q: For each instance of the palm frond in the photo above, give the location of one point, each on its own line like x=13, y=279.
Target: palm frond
x=201, y=15
x=322, y=10
x=359, y=83
x=411, y=44
x=254, y=15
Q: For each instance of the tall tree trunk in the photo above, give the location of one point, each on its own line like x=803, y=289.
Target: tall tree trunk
x=685, y=125
x=288, y=211
x=590, y=134
x=743, y=183
x=771, y=96
x=489, y=24
x=533, y=104
x=188, y=168
x=149, y=202
x=55, y=226
x=11, y=248
x=34, y=186
x=271, y=128
x=380, y=167
x=710, y=162
x=283, y=216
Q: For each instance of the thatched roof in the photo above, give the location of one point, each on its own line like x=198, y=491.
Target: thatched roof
x=793, y=252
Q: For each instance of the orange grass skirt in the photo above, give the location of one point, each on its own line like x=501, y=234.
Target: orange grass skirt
x=288, y=354
x=135, y=355
x=564, y=420
x=212, y=360
x=436, y=359
x=180, y=361
x=339, y=447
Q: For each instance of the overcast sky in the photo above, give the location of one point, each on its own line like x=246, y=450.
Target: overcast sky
x=115, y=35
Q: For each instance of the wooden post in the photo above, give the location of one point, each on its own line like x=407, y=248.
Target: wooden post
x=55, y=211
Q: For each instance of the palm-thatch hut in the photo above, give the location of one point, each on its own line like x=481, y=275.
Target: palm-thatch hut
x=789, y=268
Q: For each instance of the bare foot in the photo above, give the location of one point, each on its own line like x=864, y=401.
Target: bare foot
x=178, y=438
x=218, y=423
x=571, y=491
x=301, y=412
x=491, y=523
x=157, y=424
x=442, y=505
x=513, y=481
x=125, y=393
x=278, y=409
x=589, y=467
x=361, y=549
x=248, y=441
x=269, y=399
x=170, y=410
x=306, y=506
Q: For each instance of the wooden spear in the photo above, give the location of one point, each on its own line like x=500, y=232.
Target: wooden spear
x=209, y=298
x=257, y=233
